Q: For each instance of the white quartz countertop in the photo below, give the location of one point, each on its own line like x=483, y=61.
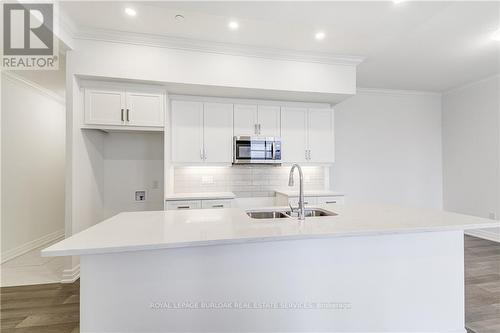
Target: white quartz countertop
x=200, y=196
x=312, y=193
x=134, y=231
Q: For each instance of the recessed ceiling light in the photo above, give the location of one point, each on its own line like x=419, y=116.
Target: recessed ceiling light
x=179, y=17
x=319, y=35
x=233, y=25
x=496, y=35
x=130, y=12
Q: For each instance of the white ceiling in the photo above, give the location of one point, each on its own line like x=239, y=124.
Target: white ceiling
x=429, y=45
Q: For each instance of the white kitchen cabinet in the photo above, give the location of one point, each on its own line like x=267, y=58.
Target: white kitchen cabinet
x=218, y=132
x=285, y=199
x=320, y=138
x=216, y=203
x=110, y=107
x=293, y=134
x=201, y=132
x=104, y=107
x=187, y=131
x=245, y=119
x=183, y=204
x=268, y=120
x=144, y=109
x=198, y=204
x=253, y=120
x=307, y=135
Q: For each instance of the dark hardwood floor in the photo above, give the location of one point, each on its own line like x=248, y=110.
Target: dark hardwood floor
x=55, y=307
x=482, y=285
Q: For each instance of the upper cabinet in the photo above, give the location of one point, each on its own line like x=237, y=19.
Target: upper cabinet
x=201, y=132
x=124, y=108
x=256, y=120
x=294, y=135
x=307, y=135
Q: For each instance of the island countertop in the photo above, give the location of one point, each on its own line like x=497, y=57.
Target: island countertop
x=150, y=230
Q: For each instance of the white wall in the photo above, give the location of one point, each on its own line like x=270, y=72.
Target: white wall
x=33, y=136
x=132, y=161
x=471, y=144
x=388, y=148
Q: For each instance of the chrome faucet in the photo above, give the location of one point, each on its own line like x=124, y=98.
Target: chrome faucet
x=301, y=189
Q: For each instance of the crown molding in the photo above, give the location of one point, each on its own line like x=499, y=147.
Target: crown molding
x=197, y=45
x=18, y=79
x=396, y=91
x=471, y=84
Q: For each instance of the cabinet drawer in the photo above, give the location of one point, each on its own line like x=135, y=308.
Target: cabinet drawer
x=191, y=204
x=307, y=201
x=329, y=200
x=215, y=203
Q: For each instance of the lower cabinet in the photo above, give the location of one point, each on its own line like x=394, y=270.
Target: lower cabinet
x=198, y=204
x=284, y=200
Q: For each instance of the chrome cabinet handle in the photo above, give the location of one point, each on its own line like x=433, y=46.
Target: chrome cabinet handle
x=217, y=206
x=256, y=129
x=306, y=154
x=122, y=115
x=201, y=153
x=331, y=202
x=183, y=207
x=128, y=118
x=204, y=153
x=259, y=129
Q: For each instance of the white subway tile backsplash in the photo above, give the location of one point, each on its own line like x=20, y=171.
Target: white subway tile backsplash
x=244, y=181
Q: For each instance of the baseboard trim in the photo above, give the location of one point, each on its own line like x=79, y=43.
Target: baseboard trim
x=484, y=234
x=71, y=275
x=20, y=250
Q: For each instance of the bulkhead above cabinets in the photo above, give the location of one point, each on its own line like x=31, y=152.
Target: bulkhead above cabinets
x=123, y=106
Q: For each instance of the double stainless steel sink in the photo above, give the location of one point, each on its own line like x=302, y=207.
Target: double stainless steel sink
x=280, y=214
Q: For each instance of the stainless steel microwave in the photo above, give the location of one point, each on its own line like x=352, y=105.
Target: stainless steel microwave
x=256, y=150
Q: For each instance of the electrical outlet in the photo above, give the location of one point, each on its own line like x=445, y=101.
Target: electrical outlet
x=140, y=195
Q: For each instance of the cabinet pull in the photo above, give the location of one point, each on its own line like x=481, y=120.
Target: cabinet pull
x=204, y=153
x=259, y=129
x=309, y=154
x=183, y=207
x=122, y=114
x=201, y=153
x=256, y=129
x=306, y=154
x=331, y=202
x=128, y=118
x=217, y=206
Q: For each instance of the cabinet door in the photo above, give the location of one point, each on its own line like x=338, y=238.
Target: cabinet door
x=293, y=134
x=329, y=200
x=218, y=132
x=245, y=119
x=268, y=119
x=320, y=136
x=187, y=131
x=186, y=204
x=217, y=203
x=104, y=107
x=144, y=109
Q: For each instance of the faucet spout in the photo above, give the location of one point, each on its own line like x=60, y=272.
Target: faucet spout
x=301, y=189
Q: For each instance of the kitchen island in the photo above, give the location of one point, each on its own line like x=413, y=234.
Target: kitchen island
x=368, y=268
